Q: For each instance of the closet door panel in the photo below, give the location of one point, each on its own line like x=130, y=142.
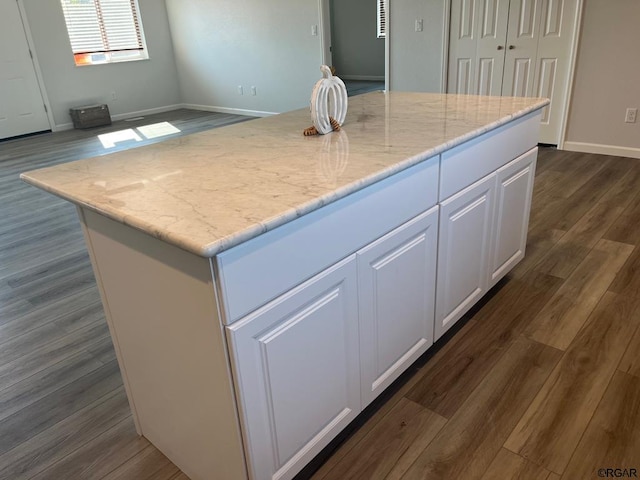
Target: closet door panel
x=522, y=48
x=492, y=19
x=462, y=47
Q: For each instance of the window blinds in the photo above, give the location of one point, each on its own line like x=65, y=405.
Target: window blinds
x=102, y=26
x=382, y=19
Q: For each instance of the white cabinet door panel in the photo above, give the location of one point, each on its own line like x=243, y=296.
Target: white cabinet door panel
x=463, y=251
x=297, y=364
x=396, y=290
x=513, y=204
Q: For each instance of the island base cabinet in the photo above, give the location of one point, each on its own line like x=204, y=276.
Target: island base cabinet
x=513, y=204
x=483, y=234
x=466, y=221
x=396, y=291
x=296, y=363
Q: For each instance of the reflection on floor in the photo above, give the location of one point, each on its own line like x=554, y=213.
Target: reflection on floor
x=68, y=145
x=358, y=87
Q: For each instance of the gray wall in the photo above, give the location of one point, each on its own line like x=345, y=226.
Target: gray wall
x=221, y=44
x=607, y=75
x=357, y=52
x=142, y=86
x=416, y=58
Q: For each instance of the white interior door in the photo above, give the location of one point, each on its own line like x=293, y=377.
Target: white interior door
x=477, y=41
x=514, y=48
x=22, y=108
x=557, y=30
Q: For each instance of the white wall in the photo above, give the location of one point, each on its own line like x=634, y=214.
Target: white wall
x=357, y=51
x=416, y=58
x=141, y=87
x=607, y=79
x=221, y=44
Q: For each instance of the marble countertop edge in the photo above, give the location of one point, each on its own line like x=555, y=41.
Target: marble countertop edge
x=255, y=230
x=210, y=249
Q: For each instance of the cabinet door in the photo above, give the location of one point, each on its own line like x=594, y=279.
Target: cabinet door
x=513, y=204
x=463, y=251
x=296, y=365
x=396, y=292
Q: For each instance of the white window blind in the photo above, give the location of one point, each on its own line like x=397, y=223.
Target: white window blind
x=382, y=19
x=98, y=29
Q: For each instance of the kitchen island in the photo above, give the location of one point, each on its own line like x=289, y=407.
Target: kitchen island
x=262, y=288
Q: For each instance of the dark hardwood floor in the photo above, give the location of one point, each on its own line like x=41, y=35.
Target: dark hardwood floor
x=541, y=381
x=63, y=411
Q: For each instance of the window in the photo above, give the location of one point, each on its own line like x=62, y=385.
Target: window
x=104, y=31
x=382, y=19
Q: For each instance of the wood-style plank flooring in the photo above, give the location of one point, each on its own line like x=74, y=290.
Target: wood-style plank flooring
x=63, y=410
x=539, y=381
x=542, y=380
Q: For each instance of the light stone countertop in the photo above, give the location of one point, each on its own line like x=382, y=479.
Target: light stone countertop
x=212, y=190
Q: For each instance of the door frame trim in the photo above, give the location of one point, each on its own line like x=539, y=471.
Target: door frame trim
x=36, y=64
x=445, y=46
x=325, y=31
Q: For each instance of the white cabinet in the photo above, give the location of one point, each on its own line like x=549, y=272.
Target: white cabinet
x=466, y=221
x=418, y=250
x=309, y=361
x=483, y=234
x=514, y=186
x=246, y=365
x=396, y=292
x=311, y=354
x=296, y=362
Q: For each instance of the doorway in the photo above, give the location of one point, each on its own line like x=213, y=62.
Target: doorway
x=351, y=43
x=515, y=48
x=22, y=104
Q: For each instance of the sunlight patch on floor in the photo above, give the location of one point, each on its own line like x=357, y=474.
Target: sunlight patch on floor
x=154, y=130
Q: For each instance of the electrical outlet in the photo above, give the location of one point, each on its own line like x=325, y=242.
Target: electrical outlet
x=314, y=30
x=631, y=115
x=419, y=25
x=240, y=90
x=254, y=91
x=113, y=95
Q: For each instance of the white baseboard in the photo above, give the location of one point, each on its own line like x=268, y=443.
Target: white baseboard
x=124, y=116
x=235, y=111
x=602, y=149
x=371, y=78
x=141, y=113
x=150, y=111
